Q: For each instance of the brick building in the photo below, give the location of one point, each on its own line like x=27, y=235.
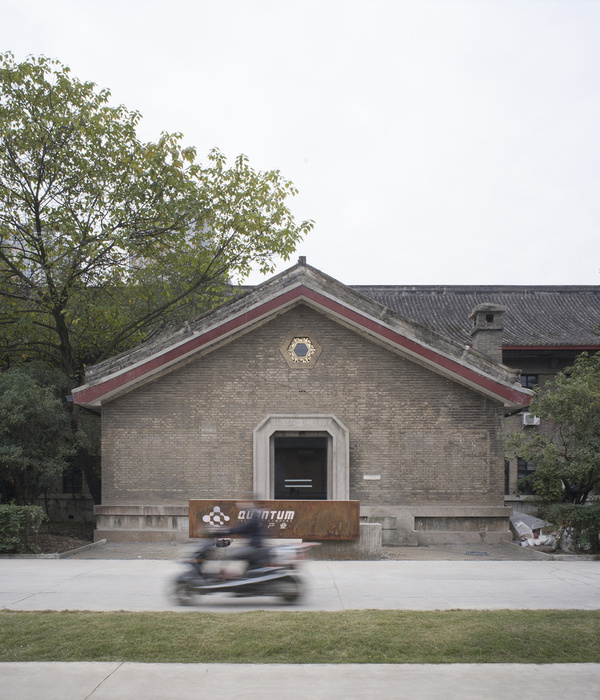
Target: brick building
x=303, y=387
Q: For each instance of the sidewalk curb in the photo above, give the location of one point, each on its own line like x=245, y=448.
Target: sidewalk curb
x=55, y=555
x=71, y=552
x=543, y=556
x=562, y=556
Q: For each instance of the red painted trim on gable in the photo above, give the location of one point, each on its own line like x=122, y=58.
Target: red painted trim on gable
x=121, y=380
x=166, y=358
x=513, y=395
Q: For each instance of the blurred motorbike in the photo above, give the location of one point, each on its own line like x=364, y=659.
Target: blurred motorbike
x=209, y=570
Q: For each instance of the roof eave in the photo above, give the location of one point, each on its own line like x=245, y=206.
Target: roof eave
x=448, y=358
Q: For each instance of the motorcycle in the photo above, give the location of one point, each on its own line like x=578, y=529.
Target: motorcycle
x=211, y=571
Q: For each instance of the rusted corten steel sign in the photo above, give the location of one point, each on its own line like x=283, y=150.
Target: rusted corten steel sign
x=306, y=520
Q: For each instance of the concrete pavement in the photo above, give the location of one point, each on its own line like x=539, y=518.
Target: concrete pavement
x=141, y=584
x=97, y=584
x=129, y=681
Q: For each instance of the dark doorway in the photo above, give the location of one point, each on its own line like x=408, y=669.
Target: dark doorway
x=301, y=468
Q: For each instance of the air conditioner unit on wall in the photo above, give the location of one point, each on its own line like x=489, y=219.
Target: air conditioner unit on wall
x=530, y=419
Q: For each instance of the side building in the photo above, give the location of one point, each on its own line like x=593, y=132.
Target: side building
x=543, y=330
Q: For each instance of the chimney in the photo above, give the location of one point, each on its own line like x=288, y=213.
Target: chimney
x=302, y=260
x=487, y=330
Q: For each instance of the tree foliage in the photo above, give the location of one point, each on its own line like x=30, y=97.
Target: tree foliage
x=19, y=528
x=567, y=455
x=104, y=238
x=580, y=523
x=35, y=432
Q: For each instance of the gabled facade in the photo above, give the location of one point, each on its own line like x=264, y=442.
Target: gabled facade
x=304, y=388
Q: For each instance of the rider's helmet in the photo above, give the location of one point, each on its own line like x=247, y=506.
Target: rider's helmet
x=246, y=504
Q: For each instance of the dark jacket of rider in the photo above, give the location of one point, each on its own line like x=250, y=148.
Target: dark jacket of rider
x=250, y=528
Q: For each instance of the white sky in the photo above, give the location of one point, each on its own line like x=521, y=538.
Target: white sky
x=432, y=141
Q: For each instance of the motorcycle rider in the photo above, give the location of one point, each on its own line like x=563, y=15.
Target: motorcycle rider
x=269, y=571
x=253, y=551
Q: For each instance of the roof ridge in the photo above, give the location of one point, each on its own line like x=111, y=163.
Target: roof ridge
x=479, y=288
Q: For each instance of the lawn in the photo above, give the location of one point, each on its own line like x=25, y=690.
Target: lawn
x=361, y=636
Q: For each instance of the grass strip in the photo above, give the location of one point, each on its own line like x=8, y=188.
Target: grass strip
x=356, y=636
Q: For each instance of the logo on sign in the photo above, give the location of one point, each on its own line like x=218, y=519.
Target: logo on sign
x=216, y=517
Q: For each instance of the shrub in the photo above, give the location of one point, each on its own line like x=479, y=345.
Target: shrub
x=582, y=520
x=19, y=528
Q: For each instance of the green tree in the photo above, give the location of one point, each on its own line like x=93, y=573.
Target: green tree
x=35, y=432
x=567, y=454
x=103, y=238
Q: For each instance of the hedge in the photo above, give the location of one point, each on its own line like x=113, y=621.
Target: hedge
x=19, y=528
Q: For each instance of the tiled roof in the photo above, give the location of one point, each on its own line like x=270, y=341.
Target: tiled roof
x=536, y=316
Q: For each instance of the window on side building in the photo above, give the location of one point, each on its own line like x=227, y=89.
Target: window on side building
x=529, y=381
x=524, y=468
x=72, y=480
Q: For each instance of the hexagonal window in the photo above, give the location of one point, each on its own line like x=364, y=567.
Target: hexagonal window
x=301, y=350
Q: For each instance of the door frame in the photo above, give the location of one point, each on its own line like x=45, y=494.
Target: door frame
x=338, y=456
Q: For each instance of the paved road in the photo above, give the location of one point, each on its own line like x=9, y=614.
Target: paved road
x=97, y=584
x=72, y=584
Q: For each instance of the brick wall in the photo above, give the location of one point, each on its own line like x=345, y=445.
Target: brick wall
x=188, y=434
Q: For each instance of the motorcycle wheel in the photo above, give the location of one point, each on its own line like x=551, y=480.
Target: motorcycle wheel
x=181, y=593
x=290, y=590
